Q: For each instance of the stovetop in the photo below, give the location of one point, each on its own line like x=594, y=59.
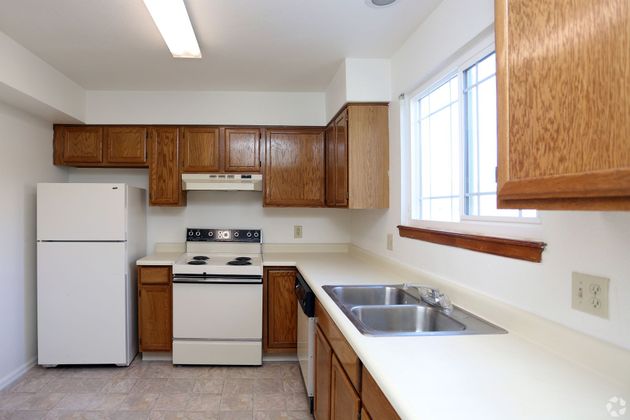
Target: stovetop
x=218, y=264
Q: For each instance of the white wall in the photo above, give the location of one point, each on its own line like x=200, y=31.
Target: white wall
x=227, y=209
x=191, y=107
x=591, y=242
x=26, y=81
x=26, y=159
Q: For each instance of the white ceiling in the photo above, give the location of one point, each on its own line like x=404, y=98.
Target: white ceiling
x=259, y=45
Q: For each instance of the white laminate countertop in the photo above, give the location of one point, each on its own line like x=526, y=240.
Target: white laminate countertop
x=159, y=258
x=458, y=377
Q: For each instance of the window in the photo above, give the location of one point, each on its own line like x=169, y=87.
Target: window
x=454, y=147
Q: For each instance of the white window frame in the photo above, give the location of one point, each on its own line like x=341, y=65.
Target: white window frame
x=487, y=225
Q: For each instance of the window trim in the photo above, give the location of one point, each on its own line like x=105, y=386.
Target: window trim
x=496, y=226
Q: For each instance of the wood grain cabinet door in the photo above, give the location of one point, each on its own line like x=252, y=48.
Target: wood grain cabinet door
x=165, y=183
x=345, y=403
x=242, y=150
x=281, y=309
x=294, y=168
x=331, y=165
x=126, y=146
x=563, y=104
x=341, y=160
x=201, y=149
x=155, y=314
x=323, y=365
x=82, y=145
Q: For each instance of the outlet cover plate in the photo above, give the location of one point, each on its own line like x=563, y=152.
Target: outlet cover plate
x=390, y=241
x=297, y=232
x=590, y=294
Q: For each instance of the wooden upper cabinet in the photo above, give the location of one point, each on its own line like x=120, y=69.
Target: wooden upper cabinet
x=242, y=150
x=165, y=181
x=563, y=104
x=281, y=309
x=126, y=145
x=201, y=149
x=357, y=157
x=79, y=145
x=294, y=168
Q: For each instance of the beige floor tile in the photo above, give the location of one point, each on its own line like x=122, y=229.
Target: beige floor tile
x=139, y=402
x=268, y=386
x=236, y=415
x=13, y=401
x=187, y=372
x=236, y=402
x=41, y=401
x=269, y=402
x=28, y=415
x=172, y=402
x=204, y=402
x=214, y=372
x=209, y=386
x=82, y=385
x=243, y=372
x=129, y=415
x=297, y=402
x=153, y=385
x=282, y=415
x=186, y=415
x=92, y=402
x=179, y=385
x=77, y=415
x=238, y=386
x=4, y=414
x=34, y=384
x=119, y=386
x=295, y=385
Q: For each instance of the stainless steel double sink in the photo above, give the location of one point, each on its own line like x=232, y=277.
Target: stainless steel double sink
x=386, y=310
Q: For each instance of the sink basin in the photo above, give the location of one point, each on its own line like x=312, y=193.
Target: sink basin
x=388, y=310
x=404, y=319
x=370, y=295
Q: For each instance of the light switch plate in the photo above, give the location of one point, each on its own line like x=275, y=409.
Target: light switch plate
x=590, y=294
x=297, y=232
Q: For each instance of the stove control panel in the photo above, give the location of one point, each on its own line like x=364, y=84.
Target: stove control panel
x=223, y=235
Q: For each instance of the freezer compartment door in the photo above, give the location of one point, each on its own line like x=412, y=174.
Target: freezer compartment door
x=82, y=303
x=81, y=212
x=217, y=311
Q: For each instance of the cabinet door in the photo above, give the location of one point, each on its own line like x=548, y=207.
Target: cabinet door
x=155, y=318
x=563, y=104
x=331, y=170
x=323, y=365
x=165, y=183
x=81, y=145
x=364, y=414
x=341, y=160
x=374, y=399
x=126, y=146
x=294, y=168
x=201, y=149
x=344, y=401
x=281, y=309
x=242, y=150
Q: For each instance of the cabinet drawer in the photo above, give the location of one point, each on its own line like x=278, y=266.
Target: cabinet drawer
x=346, y=355
x=374, y=400
x=154, y=275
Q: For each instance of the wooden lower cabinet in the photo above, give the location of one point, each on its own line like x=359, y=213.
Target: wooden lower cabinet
x=323, y=365
x=280, y=310
x=365, y=415
x=374, y=400
x=345, y=403
x=155, y=312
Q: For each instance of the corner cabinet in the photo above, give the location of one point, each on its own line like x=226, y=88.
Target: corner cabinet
x=563, y=104
x=294, y=168
x=357, y=157
x=165, y=181
x=155, y=312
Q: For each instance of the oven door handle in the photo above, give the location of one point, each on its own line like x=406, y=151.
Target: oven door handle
x=218, y=280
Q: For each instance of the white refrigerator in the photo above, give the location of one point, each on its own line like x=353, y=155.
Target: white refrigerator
x=88, y=239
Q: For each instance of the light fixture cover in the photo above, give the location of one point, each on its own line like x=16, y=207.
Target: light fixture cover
x=173, y=22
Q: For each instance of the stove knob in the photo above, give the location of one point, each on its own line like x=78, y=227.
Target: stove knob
x=211, y=234
x=255, y=234
x=190, y=233
x=197, y=233
x=236, y=234
x=249, y=234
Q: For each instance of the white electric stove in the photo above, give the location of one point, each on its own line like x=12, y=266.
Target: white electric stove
x=217, y=298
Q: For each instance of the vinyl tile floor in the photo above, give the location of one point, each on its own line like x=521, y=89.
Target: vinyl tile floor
x=158, y=391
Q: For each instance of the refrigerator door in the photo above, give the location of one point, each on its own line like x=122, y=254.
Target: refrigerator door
x=82, y=303
x=81, y=212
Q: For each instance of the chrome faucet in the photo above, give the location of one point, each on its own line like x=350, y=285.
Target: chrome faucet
x=431, y=296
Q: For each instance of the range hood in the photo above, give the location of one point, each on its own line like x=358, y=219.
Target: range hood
x=222, y=182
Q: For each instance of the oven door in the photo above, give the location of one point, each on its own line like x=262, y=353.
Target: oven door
x=217, y=309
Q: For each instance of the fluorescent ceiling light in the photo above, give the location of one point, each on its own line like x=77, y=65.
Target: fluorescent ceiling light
x=171, y=18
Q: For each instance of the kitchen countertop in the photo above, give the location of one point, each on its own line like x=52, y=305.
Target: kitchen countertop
x=486, y=377
x=159, y=258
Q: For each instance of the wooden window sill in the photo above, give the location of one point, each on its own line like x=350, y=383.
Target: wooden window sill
x=510, y=248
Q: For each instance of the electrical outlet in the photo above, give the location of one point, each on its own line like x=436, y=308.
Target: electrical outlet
x=297, y=232
x=390, y=241
x=590, y=294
